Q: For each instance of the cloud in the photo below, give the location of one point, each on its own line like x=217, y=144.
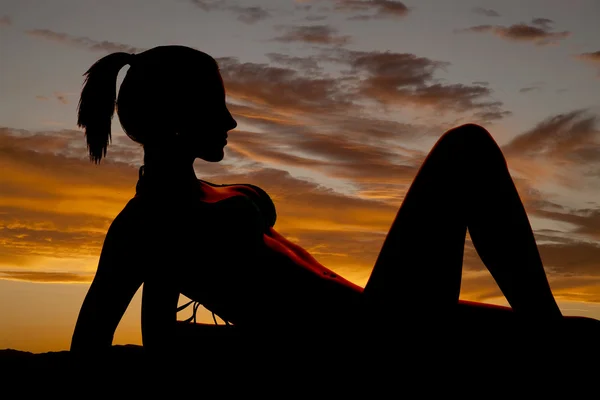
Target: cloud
x=485, y=11
x=544, y=23
x=528, y=89
x=208, y=5
x=283, y=88
x=404, y=78
x=491, y=116
x=246, y=14
x=539, y=32
x=305, y=64
x=568, y=136
x=251, y=15
x=61, y=97
x=46, y=277
x=56, y=206
x=380, y=8
x=5, y=20
x=314, y=34
x=83, y=42
x=591, y=58
x=534, y=87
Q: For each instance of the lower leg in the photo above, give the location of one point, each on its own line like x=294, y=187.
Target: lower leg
x=500, y=229
x=463, y=181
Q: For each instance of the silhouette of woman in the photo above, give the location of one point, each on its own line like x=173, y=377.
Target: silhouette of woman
x=217, y=245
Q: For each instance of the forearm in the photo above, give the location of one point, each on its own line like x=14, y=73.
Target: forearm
x=294, y=248
x=296, y=255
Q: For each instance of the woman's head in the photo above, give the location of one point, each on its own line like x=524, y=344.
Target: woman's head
x=172, y=97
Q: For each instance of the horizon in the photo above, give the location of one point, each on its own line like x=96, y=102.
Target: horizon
x=337, y=104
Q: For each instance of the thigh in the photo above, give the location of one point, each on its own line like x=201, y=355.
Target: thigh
x=420, y=262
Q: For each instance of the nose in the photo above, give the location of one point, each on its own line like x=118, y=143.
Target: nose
x=231, y=123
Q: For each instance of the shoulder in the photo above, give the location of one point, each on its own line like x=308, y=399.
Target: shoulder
x=263, y=202
x=257, y=196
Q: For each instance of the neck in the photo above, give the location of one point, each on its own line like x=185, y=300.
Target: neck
x=170, y=165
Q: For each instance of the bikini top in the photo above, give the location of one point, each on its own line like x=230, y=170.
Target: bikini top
x=190, y=192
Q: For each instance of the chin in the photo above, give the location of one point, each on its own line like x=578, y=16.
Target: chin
x=213, y=157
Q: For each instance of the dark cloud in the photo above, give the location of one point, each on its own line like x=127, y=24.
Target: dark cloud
x=568, y=136
x=376, y=8
x=250, y=15
x=83, y=42
x=534, y=87
x=529, y=89
x=593, y=56
x=246, y=14
x=404, y=78
x=386, y=79
x=340, y=155
x=282, y=88
x=486, y=12
x=491, y=116
x=539, y=32
x=544, y=23
x=305, y=64
x=314, y=34
x=481, y=83
x=577, y=258
x=208, y=5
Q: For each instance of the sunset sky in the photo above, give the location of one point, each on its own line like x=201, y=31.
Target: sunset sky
x=337, y=104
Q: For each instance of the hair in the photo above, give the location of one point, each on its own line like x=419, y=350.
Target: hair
x=150, y=95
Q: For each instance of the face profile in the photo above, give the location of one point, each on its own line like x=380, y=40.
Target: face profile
x=171, y=101
x=205, y=121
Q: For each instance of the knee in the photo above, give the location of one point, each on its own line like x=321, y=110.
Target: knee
x=471, y=138
x=470, y=133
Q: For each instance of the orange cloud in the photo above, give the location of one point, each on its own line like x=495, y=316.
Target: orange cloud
x=46, y=277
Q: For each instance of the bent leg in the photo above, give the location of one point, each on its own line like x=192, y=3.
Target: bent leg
x=463, y=182
x=420, y=263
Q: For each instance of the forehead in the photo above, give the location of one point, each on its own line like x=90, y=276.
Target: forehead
x=199, y=78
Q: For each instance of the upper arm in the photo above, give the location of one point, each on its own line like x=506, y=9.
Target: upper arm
x=116, y=281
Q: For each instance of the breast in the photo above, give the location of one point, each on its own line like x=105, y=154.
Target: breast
x=213, y=193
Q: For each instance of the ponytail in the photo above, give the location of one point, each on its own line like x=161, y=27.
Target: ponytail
x=97, y=102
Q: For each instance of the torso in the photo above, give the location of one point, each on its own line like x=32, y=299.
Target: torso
x=217, y=261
